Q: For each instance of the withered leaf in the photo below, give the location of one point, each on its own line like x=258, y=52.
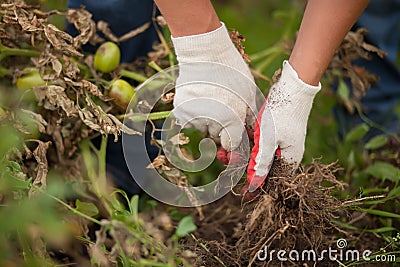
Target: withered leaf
x=52, y=97
x=134, y=32
x=157, y=162
x=42, y=167
x=238, y=40
x=57, y=66
x=83, y=22
x=103, y=27
x=61, y=40
x=122, y=126
x=90, y=87
x=179, y=139
x=71, y=68
x=38, y=119
x=168, y=97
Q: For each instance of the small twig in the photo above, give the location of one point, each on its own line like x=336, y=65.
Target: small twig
x=134, y=32
x=353, y=201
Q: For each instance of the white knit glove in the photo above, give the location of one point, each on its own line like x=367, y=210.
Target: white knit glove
x=215, y=86
x=282, y=124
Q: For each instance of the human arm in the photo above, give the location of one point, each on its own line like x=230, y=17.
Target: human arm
x=283, y=122
x=210, y=67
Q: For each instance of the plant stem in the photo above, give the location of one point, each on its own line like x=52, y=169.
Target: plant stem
x=102, y=163
x=75, y=211
x=160, y=115
x=132, y=75
x=4, y=71
x=7, y=51
x=267, y=52
x=154, y=65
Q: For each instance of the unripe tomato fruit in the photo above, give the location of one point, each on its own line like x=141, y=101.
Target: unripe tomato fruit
x=122, y=92
x=107, y=57
x=30, y=80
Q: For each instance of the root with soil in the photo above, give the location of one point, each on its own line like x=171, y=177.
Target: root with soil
x=294, y=211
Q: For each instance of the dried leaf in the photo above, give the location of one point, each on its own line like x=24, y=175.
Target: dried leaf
x=104, y=27
x=134, y=32
x=122, y=126
x=38, y=119
x=168, y=97
x=90, y=87
x=71, y=68
x=157, y=162
x=52, y=97
x=342, y=67
x=238, y=40
x=179, y=139
x=61, y=40
x=82, y=20
x=42, y=166
x=57, y=66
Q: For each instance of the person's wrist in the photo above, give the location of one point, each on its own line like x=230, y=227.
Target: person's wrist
x=214, y=46
x=292, y=82
x=306, y=72
x=197, y=28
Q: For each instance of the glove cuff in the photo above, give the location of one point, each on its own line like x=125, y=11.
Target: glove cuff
x=293, y=84
x=214, y=46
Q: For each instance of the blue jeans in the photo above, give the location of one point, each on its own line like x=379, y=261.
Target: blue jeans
x=122, y=17
x=382, y=19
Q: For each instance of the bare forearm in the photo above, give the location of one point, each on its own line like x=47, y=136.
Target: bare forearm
x=189, y=17
x=324, y=25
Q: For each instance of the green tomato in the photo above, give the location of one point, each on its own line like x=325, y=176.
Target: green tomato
x=107, y=57
x=122, y=93
x=30, y=80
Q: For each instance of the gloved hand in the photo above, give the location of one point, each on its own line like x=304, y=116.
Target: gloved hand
x=214, y=88
x=281, y=125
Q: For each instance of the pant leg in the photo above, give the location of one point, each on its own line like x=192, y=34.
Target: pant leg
x=123, y=16
x=382, y=19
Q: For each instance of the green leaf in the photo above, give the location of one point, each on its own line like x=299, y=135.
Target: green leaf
x=87, y=208
x=116, y=203
x=14, y=166
x=18, y=183
x=383, y=170
x=395, y=192
x=381, y=230
x=376, y=142
x=134, y=205
x=185, y=226
x=344, y=225
x=343, y=90
x=381, y=213
x=357, y=133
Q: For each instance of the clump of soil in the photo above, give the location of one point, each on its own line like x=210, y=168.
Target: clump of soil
x=293, y=211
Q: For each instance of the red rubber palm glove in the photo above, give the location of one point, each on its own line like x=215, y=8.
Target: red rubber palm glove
x=281, y=126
